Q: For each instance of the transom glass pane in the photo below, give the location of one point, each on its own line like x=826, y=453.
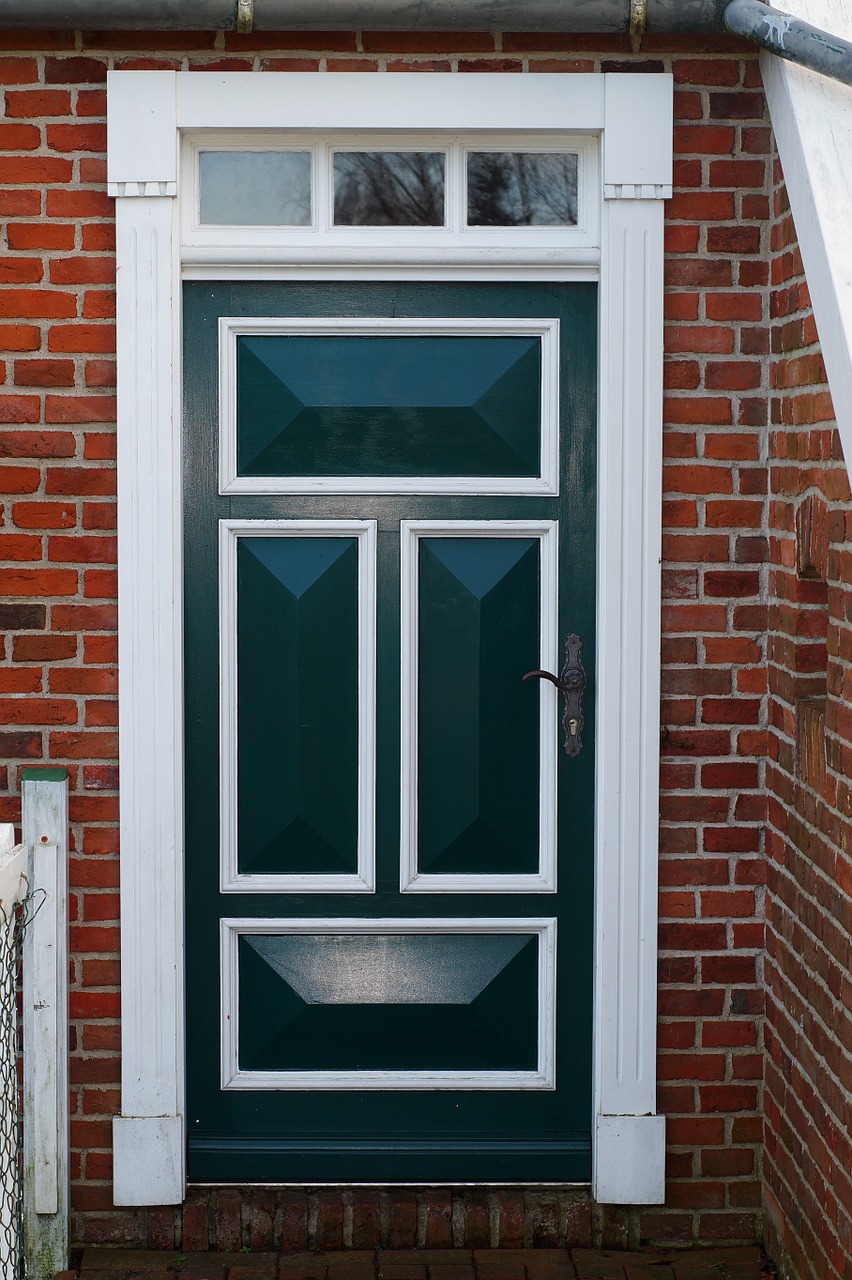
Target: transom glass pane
x=389, y=188
x=255, y=188
x=521, y=189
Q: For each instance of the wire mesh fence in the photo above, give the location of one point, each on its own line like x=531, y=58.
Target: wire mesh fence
x=14, y=918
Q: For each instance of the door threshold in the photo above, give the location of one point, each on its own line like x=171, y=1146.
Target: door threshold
x=390, y=1186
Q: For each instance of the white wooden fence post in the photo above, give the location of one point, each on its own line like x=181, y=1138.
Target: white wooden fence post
x=45, y=1016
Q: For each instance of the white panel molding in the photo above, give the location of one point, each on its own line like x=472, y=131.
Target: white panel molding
x=812, y=122
x=150, y=543
x=411, y=879
x=232, y=327
x=45, y=1020
x=150, y=694
x=231, y=880
x=543, y=1078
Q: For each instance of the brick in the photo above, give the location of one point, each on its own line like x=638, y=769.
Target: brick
x=28, y=104
x=35, y=169
x=39, y=582
x=44, y=515
x=17, y=270
x=74, y=70
x=79, y=408
x=20, y=745
x=48, y=304
x=18, y=71
x=44, y=373
x=94, y=338
x=19, y=337
x=77, y=137
x=80, y=481
x=19, y=408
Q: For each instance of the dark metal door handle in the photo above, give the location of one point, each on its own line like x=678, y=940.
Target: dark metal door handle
x=572, y=682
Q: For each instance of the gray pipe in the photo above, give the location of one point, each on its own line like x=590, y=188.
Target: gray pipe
x=360, y=15
x=791, y=38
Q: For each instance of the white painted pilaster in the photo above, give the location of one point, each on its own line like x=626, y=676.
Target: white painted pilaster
x=150, y=726
x=629, y=1141
x=45, y=1018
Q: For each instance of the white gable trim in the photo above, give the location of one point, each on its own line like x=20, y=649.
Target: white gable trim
x=146, y=112
x=812, y=120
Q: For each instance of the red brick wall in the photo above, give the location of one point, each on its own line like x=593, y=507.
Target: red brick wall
x=58, y=552
x=808, y=1162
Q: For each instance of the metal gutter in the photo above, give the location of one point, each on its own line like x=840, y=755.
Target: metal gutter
x=769, y=28
x=370, y=15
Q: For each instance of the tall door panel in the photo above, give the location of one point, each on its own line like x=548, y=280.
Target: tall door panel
x=389, y=514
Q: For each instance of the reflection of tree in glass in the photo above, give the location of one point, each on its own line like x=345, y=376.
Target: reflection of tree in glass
x=389, y=188
x=521, y=189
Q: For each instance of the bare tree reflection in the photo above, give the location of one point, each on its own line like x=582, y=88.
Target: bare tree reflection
x=389, y=188
x=521, y=189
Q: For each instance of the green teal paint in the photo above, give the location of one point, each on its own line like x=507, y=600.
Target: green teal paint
x=430, y=1135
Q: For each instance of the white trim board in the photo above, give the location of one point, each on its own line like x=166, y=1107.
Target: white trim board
x=322, y=237
x=542, y=1078
x=412, y=880
x=231, y=880
x=812, y=121
x=635, y=177
x=547, y=331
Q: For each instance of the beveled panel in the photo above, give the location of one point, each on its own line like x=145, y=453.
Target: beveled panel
x=297, y=621
x=388, y=1002
x=478, y=633
x=388, y=405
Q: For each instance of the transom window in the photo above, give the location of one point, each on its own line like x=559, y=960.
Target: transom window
x=519, y=192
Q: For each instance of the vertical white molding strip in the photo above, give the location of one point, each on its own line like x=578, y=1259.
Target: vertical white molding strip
x=148, y=1135
x=629, y=1145
x=148, y=1139
x=45, y=1018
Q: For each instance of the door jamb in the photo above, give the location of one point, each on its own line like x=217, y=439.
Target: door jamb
x=146, y=112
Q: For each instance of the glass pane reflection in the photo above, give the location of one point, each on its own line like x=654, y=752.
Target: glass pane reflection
x=255, y=188
x=389, y=188
x=521, y=189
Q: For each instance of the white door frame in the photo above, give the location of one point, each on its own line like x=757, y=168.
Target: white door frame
x=632, y=116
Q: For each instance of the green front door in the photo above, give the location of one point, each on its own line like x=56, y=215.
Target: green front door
x=390, y=519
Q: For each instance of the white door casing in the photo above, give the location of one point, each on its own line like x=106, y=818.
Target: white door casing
x=148, y=112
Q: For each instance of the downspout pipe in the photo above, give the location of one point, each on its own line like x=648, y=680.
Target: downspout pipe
x=790, y=38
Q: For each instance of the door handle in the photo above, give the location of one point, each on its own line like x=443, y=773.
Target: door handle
x=572, y=682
